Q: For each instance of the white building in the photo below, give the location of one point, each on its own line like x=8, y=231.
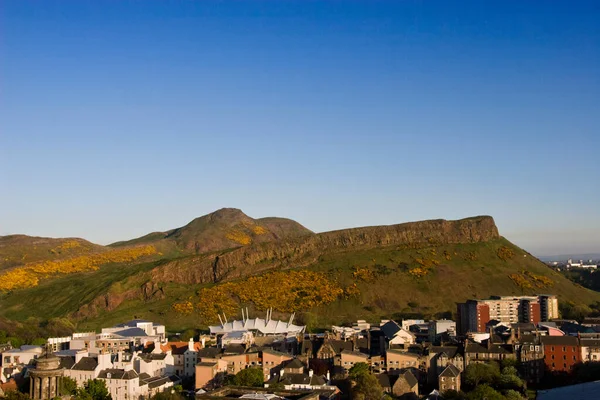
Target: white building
x=25, y=355
x=395, y=335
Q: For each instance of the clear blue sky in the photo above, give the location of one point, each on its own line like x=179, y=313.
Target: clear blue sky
x=118, y=118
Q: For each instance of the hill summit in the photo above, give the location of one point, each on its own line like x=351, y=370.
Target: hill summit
x=223, y=229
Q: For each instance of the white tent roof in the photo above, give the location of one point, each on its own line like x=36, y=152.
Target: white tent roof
x=258, y=324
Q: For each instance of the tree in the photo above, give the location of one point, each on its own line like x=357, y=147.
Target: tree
x=250, y=377
x=16, y=395
x=68, y=386
x=96, y=389
x=513, y=395
x=476, y=374
x=484, y=392
x=168, y=394
x=453, y=395
x=358, y=369
x=367, y=387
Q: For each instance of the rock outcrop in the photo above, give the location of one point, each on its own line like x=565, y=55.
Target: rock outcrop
x=306, y=250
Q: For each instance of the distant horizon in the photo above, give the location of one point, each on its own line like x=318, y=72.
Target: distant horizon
x=121, y=118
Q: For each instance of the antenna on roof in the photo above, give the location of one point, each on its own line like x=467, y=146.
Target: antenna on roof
x=220, y=320
x=224, y=316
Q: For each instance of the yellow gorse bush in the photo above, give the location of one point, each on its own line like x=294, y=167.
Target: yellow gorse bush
x=30, y=274
x=283, y=291
x=239, y=237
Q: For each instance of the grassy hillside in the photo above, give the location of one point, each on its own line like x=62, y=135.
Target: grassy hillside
x=422, y=268
x=385, y=278
x=21, y=249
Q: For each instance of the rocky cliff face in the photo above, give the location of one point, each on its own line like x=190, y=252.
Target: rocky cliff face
x=306, y=250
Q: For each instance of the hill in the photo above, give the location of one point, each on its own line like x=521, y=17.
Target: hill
x=419, y=268
x=223, y=229
x=21, y=249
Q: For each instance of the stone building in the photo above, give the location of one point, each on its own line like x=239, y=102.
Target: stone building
x=45, y=378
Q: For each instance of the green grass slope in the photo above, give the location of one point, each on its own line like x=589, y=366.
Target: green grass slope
x=22, y=249
x=463, y=271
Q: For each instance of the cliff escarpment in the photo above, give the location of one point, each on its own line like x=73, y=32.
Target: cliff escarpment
x=304, y=251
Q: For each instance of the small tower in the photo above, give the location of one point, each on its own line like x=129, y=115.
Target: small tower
x=45, y=380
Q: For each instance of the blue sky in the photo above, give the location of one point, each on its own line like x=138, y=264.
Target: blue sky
x=123, y=117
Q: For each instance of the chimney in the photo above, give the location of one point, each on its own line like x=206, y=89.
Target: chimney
x=191, y=344
x=310, y=373
x=104, y=360
x=203, y=340
x=80, y=354
x=281, y=372
x=328, y=377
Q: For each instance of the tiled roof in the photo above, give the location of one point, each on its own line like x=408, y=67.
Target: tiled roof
x=86, y=364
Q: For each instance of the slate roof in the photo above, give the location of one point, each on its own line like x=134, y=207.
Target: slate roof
x=131, y=332
x=131, y=324
x=269, y=350
x=234, y=349
x=294, y=364
x=86, y=364
x=559, y=340
x=298, y=379
x=402, y=352
x=409, y=378
x=450, y=351
x=206, y=364
x=450, y=371
x=384, y=381
x=390, y=329
x=355, y=353
x=118, y=374
x=590, y=342
x=208, y=352
x=479, y=348
x=149, y=357
x=337, y=345
x=67, y=362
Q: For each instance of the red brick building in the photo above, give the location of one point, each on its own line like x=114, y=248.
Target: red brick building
x=531, y=311
x=561, y=352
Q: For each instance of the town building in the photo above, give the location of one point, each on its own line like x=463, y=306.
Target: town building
x=473, y=315
x=561, y=353
x=449, y=379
